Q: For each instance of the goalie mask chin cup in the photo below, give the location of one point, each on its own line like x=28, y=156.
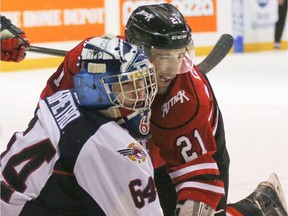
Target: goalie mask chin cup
x=107, y=63
x=158, y=25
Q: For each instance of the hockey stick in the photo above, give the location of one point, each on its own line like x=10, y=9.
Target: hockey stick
x=219, y=51
x=45, y=50
x=8, y=30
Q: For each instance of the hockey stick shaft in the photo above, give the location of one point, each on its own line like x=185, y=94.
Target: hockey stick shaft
x=217, y=54
x=49, y=51
x=219, y=51
x=10, y=30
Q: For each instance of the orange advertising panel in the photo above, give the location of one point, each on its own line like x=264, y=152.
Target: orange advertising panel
x=200, y=15
x=61, y=20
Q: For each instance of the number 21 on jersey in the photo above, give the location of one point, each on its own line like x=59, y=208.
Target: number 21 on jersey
x=187, y=146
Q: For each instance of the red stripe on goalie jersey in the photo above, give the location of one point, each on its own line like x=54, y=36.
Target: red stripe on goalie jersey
x=62, y=79
x=183, y=125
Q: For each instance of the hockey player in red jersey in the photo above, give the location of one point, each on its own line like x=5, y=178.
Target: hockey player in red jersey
x=187, y=123
x=13, y=42
x=74, y=158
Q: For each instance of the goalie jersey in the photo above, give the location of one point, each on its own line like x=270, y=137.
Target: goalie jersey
x=74, y=161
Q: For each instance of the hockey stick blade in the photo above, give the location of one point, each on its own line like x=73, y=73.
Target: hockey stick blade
x=219, y=51
x=49, y=51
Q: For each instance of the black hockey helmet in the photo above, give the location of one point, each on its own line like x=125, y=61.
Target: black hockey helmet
x=158, y=25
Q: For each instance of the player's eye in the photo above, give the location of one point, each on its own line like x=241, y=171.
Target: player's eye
x=164, y=56
x=181, y=56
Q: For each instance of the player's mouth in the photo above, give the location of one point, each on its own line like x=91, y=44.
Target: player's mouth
x=165, y=78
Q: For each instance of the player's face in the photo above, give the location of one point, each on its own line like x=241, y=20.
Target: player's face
x=131, y=94
x=167, y=65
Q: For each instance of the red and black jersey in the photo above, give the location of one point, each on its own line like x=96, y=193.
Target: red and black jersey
x=184, y=124
x=62, y=79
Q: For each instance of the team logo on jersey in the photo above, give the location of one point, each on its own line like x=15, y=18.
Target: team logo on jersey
x=179, y=97
x=134, y=152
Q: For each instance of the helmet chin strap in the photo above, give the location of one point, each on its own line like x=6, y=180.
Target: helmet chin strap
x=111, y=113
x=115, y=113
x=136, y=122
x=127, y=118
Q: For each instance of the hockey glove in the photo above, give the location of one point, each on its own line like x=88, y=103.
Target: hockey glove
x=13, y=41
x=12, y=49
x=191, y=207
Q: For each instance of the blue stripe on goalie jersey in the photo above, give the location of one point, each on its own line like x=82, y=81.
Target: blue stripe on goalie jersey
x=63, y=194
x=64, y=107
x=75, y=135
x=77, y=124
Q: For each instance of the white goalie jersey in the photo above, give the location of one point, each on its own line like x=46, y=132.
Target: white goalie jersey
x=74, y=161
